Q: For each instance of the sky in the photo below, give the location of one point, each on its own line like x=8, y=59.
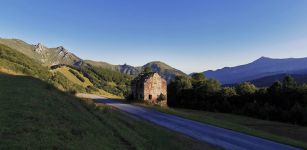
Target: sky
x=190, y=35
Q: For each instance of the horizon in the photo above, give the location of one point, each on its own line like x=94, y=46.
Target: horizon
x=189, y=36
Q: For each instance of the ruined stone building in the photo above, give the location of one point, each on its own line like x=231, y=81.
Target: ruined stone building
x=149, y=87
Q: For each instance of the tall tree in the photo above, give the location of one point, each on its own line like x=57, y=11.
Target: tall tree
x=175, y=87
x=198, y=80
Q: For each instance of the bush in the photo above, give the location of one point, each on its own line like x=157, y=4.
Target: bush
x=161, y=97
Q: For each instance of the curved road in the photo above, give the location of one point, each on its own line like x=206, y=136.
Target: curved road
x=224, y=138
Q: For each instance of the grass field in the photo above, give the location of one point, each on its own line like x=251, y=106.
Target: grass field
x=276, y=131
x=35, y=115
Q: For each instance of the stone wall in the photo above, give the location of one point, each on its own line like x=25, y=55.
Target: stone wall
x=153, y=87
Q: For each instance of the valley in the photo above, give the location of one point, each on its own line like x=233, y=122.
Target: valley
x=58, y=74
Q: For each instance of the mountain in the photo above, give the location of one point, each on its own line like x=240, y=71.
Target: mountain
x=82, y=79
x=60, y=55
x=259, y=68
x=127, y=69
x=47, y=56
x=15, y=62
x=269, y=80
x=166, y=71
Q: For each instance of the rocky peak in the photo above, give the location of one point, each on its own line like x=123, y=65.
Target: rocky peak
x=62, y=51
x=61, y=48
x=39, y=48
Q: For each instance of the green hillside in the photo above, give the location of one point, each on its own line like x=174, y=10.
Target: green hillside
x=114, y=79
x=39, y=52
x=35, y=115
x=108, y=80
x=15, y=62
x=12, y=61
x=20, y=63
x=74, y=76
x=168, y=72
x=60, y=55
x=78, y=78
x=101, y=64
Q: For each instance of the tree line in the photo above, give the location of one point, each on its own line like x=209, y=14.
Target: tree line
x=284, y=101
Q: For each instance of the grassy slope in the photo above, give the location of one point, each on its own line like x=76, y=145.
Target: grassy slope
x=164, y=68
x=101, y=64
x=19, y=45
x=35, y=115
x=280, y=132
x=11, y=59
x=65, y=71
x=50, y=55
x=15, y=62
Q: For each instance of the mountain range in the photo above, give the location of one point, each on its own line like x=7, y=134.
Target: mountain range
x=60, y=55
x=262, y=71
x=260, y=68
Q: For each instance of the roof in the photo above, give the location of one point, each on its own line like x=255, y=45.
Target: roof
x=142, y=77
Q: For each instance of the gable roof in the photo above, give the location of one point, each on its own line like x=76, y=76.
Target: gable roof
x=142, y=77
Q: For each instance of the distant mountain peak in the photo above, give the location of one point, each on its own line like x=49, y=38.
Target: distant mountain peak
x=40, y=48
x=263, y=66
x=262, y=59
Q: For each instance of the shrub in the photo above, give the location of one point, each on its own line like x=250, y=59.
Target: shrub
x=161, y=97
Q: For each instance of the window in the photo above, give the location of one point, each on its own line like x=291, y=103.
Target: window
x=150, y=97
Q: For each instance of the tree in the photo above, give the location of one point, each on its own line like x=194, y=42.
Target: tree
x=289, y=83
x=229, y=92
x=147, y=70
x=275, y=88
x=209, y=87
x=183, y=82
x=198, y=79
x=198, y=76
x=175, y=87
x=297, y=114
x=246, y=88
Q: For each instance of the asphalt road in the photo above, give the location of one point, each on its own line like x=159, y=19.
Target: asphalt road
x=224, y=138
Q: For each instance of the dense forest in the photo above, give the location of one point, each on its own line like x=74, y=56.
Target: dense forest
x=284, y=101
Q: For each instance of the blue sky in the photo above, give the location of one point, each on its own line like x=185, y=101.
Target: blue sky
x=191, y=35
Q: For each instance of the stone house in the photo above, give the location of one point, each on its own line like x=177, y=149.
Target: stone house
x=149, y=87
